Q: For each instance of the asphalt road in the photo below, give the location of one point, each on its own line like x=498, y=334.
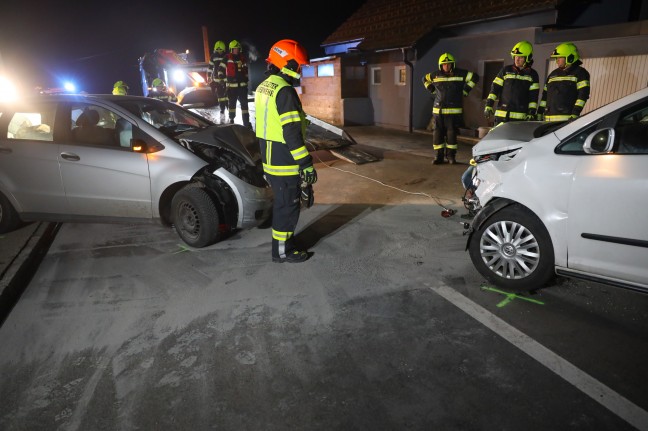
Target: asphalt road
x=387, y=327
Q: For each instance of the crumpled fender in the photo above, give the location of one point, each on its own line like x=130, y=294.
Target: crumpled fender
x=491, y=208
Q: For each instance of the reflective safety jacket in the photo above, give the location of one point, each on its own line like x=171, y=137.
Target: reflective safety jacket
x=281, y=127
x=217, y=66
x=517, y=91
x=448, y=89
x=565, y=93
x=168, y=95
x=236, y=70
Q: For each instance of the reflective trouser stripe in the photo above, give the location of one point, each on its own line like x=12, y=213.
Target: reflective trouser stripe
x=557, y=117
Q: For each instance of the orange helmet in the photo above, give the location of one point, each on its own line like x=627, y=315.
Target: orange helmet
x=288, y=56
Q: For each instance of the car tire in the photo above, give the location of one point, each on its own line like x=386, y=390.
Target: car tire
x=195, y=217
x=9, y=219
x=513, y=250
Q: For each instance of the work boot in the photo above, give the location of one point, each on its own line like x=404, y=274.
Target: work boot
x=231, y=121
x=451, y=156
x=222, y=118
x=295, y=256
x=439, y=158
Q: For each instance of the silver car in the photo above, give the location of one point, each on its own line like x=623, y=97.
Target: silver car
x=105, y=158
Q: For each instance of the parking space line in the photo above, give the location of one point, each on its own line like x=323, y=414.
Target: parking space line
x=591, y=387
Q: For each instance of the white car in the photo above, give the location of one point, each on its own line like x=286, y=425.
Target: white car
x=565, y=199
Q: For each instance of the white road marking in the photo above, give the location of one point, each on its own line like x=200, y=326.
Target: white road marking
x=591, y=387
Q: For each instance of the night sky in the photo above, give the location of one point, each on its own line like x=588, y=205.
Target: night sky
x=95, y=43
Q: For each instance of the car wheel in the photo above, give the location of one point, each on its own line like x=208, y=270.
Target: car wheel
x=195, y=217
x=513, y=250
x=9, y=219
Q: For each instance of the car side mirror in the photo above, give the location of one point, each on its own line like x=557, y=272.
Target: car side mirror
x=600, y=141
x=140, y=146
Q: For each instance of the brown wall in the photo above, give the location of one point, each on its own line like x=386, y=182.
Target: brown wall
x=322, y=96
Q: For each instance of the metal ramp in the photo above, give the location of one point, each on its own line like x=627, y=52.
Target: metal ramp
x=321, y=135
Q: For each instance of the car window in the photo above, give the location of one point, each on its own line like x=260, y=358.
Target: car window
x=96, y=125
x=574, y=144
x=169, y=118
x=631, y=131
x=35, y=123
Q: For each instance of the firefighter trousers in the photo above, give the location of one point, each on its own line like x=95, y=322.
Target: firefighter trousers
x=238, y=94
x=285, y=213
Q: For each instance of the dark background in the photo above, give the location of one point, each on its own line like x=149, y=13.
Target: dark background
x=95, y=43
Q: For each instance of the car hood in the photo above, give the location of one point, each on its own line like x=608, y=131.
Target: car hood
x=508, y=136
x=231, y=137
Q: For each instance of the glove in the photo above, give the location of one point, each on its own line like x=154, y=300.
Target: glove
x=488, y=112
x=309, y=175
x=530, y=117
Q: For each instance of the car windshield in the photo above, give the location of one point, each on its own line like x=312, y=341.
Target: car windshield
x=169, y=118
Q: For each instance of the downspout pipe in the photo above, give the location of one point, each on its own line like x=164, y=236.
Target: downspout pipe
x=410, y=65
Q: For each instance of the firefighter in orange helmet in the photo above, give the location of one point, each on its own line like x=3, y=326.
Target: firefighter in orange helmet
x=281, y=129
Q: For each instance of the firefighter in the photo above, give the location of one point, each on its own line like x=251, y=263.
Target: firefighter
x=448, y=85
x=567, y=87
x=160, y=91
x=281, y=129
x=516, y=88
x=236, y=74
x=217, y=67
x=120, y=88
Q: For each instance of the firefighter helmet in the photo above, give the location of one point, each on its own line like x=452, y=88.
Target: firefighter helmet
x=445, y=59
x=235, y=44
x=120, y=88
x=523, y=49
x=219, y=46
x=567, y=50
x=288, y=56
x=157, y=83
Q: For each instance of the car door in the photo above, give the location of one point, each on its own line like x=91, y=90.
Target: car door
x=29, y=168
x=608, y=216
x=102, y=177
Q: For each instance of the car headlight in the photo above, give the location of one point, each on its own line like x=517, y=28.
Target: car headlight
x=502, y=155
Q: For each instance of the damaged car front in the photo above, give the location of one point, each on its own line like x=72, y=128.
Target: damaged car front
x=229, y=189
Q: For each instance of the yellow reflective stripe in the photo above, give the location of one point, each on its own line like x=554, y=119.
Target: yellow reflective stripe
x=580, y=103
x=543, y=103
x=438, y=147
x=447, y=111
x=492, y=97
x=533, y=105
x=281, y=171
x=499, y=113
x=499, y=81
x=281, y=236
x=446, y=79
x=289, y=117
x=557, y=117
x=518, y=115
x=582, y=84
x=563, y=78
x=534, y=86
x=519, y=77
x=268, y=152
x=470, y=84
x=451, y=146
x=299, y=153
